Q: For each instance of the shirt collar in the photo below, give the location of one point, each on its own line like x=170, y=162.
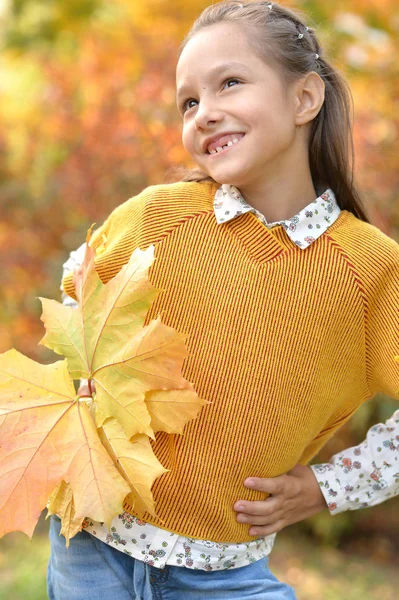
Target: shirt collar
x=303, y=229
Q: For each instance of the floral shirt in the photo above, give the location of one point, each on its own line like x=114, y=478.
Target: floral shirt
x=350, y=480
x=159, y=547
x=364, y=475
x=304, y=228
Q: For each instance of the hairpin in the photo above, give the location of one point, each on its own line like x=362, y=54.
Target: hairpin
x=316, y=56
x=300, y=36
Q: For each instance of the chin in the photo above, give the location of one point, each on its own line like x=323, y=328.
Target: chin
x=231, y=178
x=233, y=174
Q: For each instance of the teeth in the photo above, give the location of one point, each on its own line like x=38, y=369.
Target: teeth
x=220, y=148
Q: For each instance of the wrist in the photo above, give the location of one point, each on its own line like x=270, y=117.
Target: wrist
x=330, y=487
x=317, y=500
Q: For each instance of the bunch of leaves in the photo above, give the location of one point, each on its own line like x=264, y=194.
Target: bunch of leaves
x=83, y=457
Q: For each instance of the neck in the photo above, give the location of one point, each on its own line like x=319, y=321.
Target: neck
x=286, y=187
x=279, y=201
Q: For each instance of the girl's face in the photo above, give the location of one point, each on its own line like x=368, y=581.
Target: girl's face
x=226, y=94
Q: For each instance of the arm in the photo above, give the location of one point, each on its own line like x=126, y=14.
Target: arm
x=362, y=476
x=368, y=474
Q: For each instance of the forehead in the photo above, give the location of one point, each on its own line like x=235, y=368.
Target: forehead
x=212, y=46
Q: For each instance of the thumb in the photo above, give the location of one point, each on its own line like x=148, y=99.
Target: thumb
x=299, y=470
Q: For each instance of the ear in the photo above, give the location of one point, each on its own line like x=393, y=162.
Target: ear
x=309, y=98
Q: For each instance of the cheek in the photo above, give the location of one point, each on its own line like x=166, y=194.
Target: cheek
x=273, y=127
x=188, y=138
x=265, y=110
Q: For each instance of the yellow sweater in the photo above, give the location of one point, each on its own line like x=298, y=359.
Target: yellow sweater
x=286, y=343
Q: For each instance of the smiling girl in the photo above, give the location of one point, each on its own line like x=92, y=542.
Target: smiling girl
x=289, y=298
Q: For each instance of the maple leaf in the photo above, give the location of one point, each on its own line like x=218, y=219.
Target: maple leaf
x=108, y=315
x=47, y=435
x=104, y=340
x=84, y=457
x=152, y=360
x=62, y=504
x=136, y=461
x=166, y=409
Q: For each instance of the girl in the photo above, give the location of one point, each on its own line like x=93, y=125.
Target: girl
x=289, y=298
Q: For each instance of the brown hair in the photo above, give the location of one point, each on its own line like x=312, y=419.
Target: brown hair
x=274, y=32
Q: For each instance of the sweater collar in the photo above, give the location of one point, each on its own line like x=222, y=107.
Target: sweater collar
x=303, y=229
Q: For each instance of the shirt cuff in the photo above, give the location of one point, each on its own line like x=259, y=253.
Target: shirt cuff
x=330, y=487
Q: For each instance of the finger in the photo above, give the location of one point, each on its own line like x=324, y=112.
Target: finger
x=261, y=520
x=270, y=485
x=263, y=507
x=84, y=391
x=267, y=529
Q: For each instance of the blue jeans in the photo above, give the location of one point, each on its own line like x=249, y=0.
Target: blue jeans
x=92, y=570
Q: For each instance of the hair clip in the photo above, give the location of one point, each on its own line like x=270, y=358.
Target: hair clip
x=316, y=56
x=300, y=36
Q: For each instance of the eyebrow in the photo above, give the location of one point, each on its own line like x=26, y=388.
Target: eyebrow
x=214, y=73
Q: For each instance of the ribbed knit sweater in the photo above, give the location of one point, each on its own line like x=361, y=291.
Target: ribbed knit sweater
x=286, y=343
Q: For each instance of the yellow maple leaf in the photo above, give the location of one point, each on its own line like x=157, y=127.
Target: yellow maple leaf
x=51, y=450
x=104, y=340
x=62, y=504
x=47, y=435
x=136, y=461
x=108, y=315
x=166, y=409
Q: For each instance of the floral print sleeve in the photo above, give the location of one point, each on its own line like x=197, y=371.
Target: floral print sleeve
x=364, y=475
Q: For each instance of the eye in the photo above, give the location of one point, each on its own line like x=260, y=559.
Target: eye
x=186, y=104
x=231, y=80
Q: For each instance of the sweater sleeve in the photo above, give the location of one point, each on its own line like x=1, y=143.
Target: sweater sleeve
x=373, y=258
x=109, y=242
x=367, y=474
x=382, y=324
x=144, y=220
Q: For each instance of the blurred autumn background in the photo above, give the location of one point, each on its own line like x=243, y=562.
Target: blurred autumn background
x=88, y=119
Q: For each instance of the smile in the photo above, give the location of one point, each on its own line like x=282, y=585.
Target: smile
x=223, y=149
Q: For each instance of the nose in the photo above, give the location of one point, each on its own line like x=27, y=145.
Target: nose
x=206, y=116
